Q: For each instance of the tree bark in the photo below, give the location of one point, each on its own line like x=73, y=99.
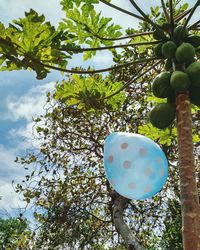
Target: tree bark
x=119, y=204
x=188, y=185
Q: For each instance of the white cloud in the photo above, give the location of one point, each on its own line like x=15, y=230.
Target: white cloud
x=12, y=9
x=10, y=199
x=9, y=171
x=29, y=105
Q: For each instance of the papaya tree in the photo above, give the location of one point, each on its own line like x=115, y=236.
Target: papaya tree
x=164, y=40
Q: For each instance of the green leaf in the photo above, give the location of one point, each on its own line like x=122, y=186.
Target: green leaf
x=89, y=92
x=87, y=26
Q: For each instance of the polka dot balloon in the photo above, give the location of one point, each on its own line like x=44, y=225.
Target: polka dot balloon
x=135, y=166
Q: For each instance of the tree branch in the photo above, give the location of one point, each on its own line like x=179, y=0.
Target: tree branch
x=119, y=205
x=122, y=10
x=109, y=47
x=90, y=71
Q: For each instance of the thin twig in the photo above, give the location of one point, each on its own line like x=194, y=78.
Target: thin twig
x=91, y=71
x=132, y=79
x=109, y=47
x=122, y=10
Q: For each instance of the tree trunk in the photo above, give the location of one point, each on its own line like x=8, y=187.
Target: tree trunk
x=188, y=185
x=119, y=204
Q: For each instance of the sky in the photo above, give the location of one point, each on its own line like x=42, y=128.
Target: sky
x=23, y=96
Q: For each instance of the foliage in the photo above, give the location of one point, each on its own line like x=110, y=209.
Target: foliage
x=68, y=188
x=90, y=92
x=14, y=233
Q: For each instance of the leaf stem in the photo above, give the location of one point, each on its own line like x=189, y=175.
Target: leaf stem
x=147, y=19
x=92, y=71
x=171, y=17
x=109, y=47
x=194, y=25
x=134, y=78
x=182, y=15
x=122, y=10
x=165, y=10
x=191, y=13
x=122, y=37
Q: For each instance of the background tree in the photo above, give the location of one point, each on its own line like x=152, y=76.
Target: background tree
x=14, y=233
x=83, y=111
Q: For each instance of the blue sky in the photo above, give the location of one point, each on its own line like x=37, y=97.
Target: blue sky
x=23, y=96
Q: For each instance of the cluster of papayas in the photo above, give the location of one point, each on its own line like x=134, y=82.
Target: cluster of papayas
x=182, y=73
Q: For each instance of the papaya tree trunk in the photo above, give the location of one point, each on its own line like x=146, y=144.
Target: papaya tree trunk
x=188, y=184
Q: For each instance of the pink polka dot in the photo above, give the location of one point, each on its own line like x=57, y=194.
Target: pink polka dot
x=159, y=160
x=127, y=164
x=110, y=159
x=147, y=189
x=132, y=185
x=148, y=171
x=143, y=151
x=124, y=145
x=161, y=172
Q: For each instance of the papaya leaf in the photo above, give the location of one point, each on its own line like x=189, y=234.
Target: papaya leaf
x=28, y=39
x=88, y=27
x=89, y=92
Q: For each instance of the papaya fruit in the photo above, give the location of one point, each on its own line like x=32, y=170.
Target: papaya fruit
x=158, y=50
x=158, y=35
x=194, y=40
x=161, y=85
x=166, y=26
x=185, y=53
x=193, y=70
x=162, y=115
x=194, y=93
x=179, y=81
x=169, y=49
x=190, y=62
x=180, y=34
x=168, y=64
x=171, y=98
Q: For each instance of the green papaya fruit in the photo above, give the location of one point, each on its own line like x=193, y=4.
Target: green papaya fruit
x=180, y=81
x=161, y=85
x=180, y=33
x=162, y=115
x=169, y=49
x=158, y=50
x=185, y=53
x=193, y=70
x=168, y=64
